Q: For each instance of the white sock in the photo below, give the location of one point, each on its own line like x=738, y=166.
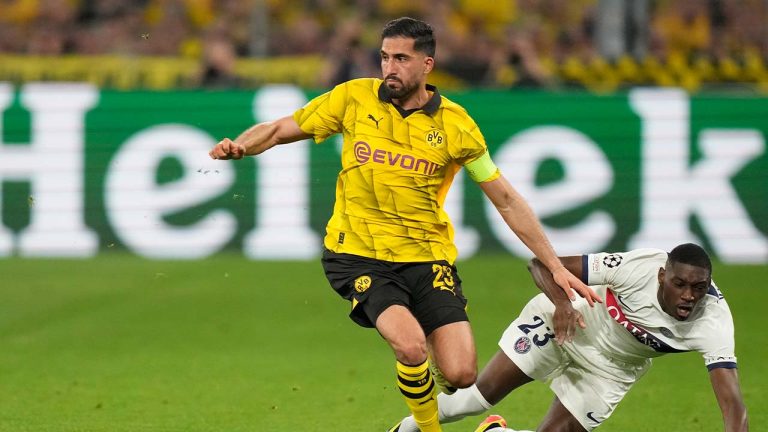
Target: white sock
x=453, y=407
x=464, y=402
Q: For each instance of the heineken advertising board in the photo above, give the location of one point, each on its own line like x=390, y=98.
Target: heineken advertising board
x=84, y=171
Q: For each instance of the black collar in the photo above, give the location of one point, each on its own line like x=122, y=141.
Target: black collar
x=430, y=107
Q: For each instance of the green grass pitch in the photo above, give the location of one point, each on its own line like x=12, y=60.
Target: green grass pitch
x=123, y=344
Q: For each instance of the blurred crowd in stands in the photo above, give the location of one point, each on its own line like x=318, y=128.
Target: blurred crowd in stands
x=598, y=44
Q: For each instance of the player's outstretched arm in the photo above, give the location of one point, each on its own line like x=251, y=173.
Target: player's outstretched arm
x=565, y=317
x=259, y=138
x=520, y=218
x=725, y=383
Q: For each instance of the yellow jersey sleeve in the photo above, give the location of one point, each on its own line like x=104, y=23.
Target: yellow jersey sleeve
x=467, y=142
x=323, y=116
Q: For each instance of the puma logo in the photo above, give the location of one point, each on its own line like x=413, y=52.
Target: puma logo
x=370, y=116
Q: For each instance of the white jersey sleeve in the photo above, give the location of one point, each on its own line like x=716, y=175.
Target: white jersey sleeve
x=714, y=336
x=623, y=269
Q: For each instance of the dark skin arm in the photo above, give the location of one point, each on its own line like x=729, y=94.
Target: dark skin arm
x=725, y=383
x=566, y=318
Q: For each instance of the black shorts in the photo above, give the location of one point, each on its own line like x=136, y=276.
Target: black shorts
x=430, y=290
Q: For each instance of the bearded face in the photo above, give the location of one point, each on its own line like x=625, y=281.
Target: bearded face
x=404, y=69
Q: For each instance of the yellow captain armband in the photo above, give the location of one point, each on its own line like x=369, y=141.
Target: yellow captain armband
x=482, y=169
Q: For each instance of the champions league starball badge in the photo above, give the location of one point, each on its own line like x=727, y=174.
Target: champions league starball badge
x=612, y=260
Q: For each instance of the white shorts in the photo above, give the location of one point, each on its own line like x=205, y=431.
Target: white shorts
x=529, y=342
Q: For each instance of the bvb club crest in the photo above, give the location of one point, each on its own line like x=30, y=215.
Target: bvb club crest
x=435, y=138
x=362, y=283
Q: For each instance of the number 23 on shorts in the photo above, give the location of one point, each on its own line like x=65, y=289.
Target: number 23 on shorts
x=443, y=278
x=539, y=340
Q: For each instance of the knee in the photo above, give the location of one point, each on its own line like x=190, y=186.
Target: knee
x=462, y=378
x=411, y=352
x=461, y=375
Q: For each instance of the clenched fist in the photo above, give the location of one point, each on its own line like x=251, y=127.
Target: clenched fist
x=227, y=149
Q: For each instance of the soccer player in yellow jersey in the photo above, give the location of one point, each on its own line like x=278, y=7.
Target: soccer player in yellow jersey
x=389, y=246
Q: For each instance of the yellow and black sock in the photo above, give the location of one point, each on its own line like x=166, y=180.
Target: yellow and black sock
x=418, y=388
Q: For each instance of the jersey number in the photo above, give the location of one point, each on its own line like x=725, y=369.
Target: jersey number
x=537, y=339
x=443, y=278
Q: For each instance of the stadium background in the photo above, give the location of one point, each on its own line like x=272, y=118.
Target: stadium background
x=146, y=288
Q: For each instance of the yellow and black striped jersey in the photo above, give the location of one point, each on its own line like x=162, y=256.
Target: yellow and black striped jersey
x=397, y=166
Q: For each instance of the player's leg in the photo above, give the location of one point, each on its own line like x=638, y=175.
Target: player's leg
x=380, y=298
x=583, y=399
x=452, y=349
x=440, y=307
x=497, y=379
x=451, y=344
x=559, y=419
x=404, y=334
x=502, y=373
x=525, y=355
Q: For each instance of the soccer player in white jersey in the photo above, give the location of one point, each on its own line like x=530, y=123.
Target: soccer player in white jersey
x=654, y=303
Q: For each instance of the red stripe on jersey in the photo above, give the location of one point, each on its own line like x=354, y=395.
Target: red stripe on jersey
x=641, y=334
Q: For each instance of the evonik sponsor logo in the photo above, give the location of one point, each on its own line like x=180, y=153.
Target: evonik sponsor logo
x=364, y=154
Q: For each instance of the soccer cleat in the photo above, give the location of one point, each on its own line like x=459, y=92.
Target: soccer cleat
x=396, y=427
x=492, y=422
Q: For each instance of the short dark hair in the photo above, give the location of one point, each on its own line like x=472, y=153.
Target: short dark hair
x=419, y=31
x=689, y=253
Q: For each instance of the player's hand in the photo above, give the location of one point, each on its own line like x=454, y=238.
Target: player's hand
x=227, y=149
x=566, y=318
x=570, y=283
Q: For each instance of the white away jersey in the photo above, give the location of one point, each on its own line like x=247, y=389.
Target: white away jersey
x=630, y=326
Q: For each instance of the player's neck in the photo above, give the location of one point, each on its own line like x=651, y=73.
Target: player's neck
x=415, y=100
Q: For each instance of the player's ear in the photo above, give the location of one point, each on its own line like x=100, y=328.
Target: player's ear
x=429, y=64
x=661, y=276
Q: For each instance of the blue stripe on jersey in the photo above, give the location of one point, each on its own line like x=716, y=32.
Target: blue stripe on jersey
x=714, y=292
x=724, y=365
x=663, y=347
x=585, y=269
